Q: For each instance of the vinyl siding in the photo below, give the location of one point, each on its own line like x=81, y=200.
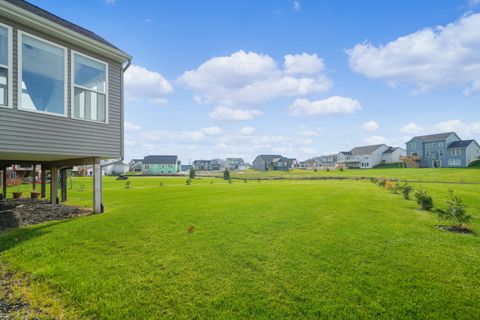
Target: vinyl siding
x=38, y=134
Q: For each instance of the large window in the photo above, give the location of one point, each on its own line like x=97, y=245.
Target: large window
x=89, y=88
x=42, y=82
x=5, y=66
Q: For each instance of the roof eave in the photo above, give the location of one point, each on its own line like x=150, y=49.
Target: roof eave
x=37, y=22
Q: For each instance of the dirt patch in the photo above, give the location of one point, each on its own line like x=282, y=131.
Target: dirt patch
x=15, y=213
x=10, y=304
x=455, y=229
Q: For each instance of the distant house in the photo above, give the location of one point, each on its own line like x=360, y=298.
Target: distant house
x=217, y=164
x=369, y=156
x=161, y=165
x=266, y=162
x=185, y=167
x=442, y=150
x=202, y=165
x=116, y=168
x=234, y=163
x=135, y=165
x=319, y=162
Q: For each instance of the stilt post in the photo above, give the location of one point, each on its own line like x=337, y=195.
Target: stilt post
x=43, y=181
x=97, y=186
x=54, y=185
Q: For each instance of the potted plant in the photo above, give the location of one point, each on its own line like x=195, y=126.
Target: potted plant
x=34, y=194
x=17, y=194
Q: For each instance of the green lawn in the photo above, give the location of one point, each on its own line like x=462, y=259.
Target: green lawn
x=424, y=174
x=263, y=250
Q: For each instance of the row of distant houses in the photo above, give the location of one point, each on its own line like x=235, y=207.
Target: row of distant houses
x=428, y=151
x=442, y=150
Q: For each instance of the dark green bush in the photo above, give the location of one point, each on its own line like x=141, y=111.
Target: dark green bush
x=189, y=181
x=424, y=200
x=192, y=173
x=226, y=174
x=456, y=212
x=406, y=190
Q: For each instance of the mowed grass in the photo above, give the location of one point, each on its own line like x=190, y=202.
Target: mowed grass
x=469, y=175
x=263, y=250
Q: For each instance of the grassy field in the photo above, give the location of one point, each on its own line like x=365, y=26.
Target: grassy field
x=424, y=174
x=263, y=250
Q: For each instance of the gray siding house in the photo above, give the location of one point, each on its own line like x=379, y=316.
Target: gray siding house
x=266, y=162
x=61, y=94
x=442, y=150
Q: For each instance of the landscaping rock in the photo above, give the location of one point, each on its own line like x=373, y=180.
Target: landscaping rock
x=19, y=212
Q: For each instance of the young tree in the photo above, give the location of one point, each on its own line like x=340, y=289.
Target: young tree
x=456, y=212
x=192, y=173
x=226, y=174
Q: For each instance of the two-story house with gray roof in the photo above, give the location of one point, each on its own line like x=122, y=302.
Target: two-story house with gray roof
x=61, y=95
x=442, y=150
x=161, y=165
x=366, y=157
x=265, y=162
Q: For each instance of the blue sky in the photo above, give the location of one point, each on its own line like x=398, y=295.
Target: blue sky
x=214, y=79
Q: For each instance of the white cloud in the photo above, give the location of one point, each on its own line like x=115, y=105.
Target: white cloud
x=309, y=150
x=411, y=128
x=303, y=64
x=310, y=133
x=473, y=3
x=459, y=127
x=128, y=126
x=443, y=56
x=296, y=5
x=247, y=80
x=212, y=131
x=370, y=126
x=375, y=140
x=229, y=114
x=330, y=106
x=247, y=131
x=142, y=84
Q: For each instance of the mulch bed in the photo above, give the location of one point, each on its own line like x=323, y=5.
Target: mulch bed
x=455, y=229
x=15, y=213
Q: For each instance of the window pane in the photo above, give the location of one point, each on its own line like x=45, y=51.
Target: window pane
x=89, y=105
x=3, y=46
x=43, y=73
x=89, y=73
x=3, y=87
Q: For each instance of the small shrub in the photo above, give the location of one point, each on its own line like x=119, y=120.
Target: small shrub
x=188, y=182
x=373, y=180
x=341, y=169
x=406, y=189
x=258, y=180
x=128, y=184
x=456, y=212
x=424, y=200
x=226, y=174
x=328, y=169
x=396, y=188
x=230, y=181
x=161, y=184
x=382, y=183
x=192, y=173
x=315, y=170
x=191, y=229
x=245, y=180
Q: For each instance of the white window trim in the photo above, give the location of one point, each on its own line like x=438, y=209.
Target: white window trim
x=72, y=86
x=19, y=82
x=9, y=67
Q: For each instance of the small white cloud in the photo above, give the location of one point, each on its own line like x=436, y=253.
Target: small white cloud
x=296, y=5
x=309, y=133
x=303, y=64
x=247, y=131
x=144, y=85
x=371, y=126
x=128, y=126
x=212, y=131
x=330, y=106
x=412, y=128
x=375, y=140
x=147, y=20
x=229, y=114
